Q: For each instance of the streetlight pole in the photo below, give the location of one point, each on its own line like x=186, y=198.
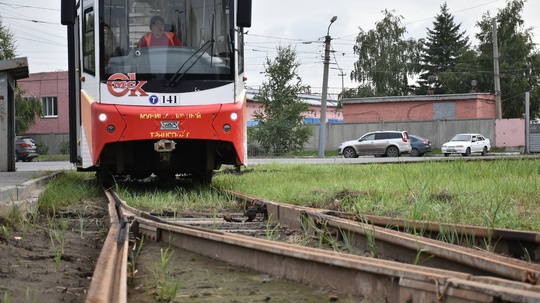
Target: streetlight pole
x=322, y=124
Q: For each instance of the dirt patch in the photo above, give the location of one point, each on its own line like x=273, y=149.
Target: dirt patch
x=51, y=258
x=188, y=277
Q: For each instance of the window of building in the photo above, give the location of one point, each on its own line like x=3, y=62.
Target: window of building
x=49, y=106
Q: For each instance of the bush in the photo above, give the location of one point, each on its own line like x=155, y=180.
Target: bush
x=42, y=149
x=64, y=148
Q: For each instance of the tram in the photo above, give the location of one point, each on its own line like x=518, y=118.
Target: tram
x=156, y=86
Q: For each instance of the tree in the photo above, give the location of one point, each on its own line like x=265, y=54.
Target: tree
x=519, y=63
x=280, y=127
x=25, y=109
x=7, y=43
x=441, y=52
x=386, y=61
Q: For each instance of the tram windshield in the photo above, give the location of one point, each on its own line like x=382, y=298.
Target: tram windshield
x=173, y=38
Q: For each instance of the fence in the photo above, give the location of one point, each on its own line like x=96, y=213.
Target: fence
x=438, y=131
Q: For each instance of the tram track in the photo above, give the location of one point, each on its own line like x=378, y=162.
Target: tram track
x=448, y=273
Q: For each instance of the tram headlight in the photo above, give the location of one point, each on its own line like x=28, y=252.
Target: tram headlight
x=234, y=116
x=226, y=128
x=102, y=117
x=111, y=129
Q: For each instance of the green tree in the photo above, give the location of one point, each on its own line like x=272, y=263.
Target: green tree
x=441, y=52
x=7, y=43
x=26, y=109
x=519, y=63
x=386, y=60
x=280, y=128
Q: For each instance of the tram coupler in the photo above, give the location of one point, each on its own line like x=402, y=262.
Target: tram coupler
x=165, y=147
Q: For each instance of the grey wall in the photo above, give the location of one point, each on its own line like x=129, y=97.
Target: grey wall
x=438, y=131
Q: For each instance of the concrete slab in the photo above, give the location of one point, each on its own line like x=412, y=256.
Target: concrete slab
x=22, y=190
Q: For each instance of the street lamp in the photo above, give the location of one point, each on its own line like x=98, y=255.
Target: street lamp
x=322, y=124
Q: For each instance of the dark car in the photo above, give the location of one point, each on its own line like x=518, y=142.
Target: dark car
x=420, y=146
x=25, y=149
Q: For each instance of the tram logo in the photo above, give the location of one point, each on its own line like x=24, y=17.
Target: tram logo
x=121, y=84
x=170, y=125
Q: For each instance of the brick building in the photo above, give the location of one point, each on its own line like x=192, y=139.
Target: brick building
x=419, y=108
x=51, y=89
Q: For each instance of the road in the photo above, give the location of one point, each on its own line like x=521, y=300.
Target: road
x=65, y=165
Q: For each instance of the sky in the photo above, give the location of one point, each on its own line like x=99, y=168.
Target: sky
x=301, y=24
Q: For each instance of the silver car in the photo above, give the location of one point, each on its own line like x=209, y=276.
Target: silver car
x=378, y=143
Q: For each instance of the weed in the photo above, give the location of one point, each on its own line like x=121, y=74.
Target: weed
x=5, y=233
x=7, y=297
x=271, y=232
x=135, y=254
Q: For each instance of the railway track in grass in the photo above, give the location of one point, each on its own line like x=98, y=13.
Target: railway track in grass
x=402, y=267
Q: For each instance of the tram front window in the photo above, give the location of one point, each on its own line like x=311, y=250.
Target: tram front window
x=187, y=38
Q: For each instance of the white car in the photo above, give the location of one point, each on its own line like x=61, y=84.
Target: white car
x=466, y=144
x=378, y=143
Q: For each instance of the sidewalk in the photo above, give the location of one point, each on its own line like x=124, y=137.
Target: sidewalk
x=21, y=189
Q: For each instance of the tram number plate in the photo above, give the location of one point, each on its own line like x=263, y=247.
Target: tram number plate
x=171, y=99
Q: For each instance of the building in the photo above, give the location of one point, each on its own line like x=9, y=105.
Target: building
x=419, y=108
x=312, y=116
x=51, y=88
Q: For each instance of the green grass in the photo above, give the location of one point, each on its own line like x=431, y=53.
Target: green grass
x=69, y=188
x=175, y=200
x=501, y=194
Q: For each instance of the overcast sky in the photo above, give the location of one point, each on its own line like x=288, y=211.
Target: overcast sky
x=299, y=23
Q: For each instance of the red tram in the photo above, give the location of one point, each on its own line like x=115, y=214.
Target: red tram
x=156, y=87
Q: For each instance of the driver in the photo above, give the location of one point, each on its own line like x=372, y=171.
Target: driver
x=158, y=36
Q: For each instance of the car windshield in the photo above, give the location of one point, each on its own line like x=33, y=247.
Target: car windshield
x=461, y=138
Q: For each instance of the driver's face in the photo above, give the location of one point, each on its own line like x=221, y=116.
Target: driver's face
x=157, y=28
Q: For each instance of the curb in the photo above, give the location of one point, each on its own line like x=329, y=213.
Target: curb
x=24, y=196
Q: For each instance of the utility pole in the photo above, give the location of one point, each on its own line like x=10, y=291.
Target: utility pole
x=496, y=75
x=342, y=75
x=322, y=124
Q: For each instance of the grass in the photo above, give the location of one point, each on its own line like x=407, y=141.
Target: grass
x=176, y=199
x=495, y=194
x=70, y=188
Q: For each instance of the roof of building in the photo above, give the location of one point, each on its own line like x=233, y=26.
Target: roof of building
x=448, y=97
x=311, y=99
x=18, y=67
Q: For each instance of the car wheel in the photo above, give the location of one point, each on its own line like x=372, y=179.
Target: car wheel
x=349, y=152
x=446, y=155
x=467, y=152
x=415, y=152
x=392, y=151
x=484, y=151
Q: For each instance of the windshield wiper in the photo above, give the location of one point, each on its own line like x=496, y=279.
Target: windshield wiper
x=177, y=76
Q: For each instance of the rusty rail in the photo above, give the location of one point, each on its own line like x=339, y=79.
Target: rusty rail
x=109, y=282
x=371, y=278
x=401, y=246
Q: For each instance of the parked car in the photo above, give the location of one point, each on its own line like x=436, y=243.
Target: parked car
x=420, y=146
x=25, y=149
x=378, y=143
x=466, y=144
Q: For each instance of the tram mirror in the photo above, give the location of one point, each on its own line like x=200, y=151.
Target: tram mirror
x=243, y=18
x=68, y=12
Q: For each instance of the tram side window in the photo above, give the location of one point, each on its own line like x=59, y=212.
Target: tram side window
x=240, y=51
x=89, y=47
